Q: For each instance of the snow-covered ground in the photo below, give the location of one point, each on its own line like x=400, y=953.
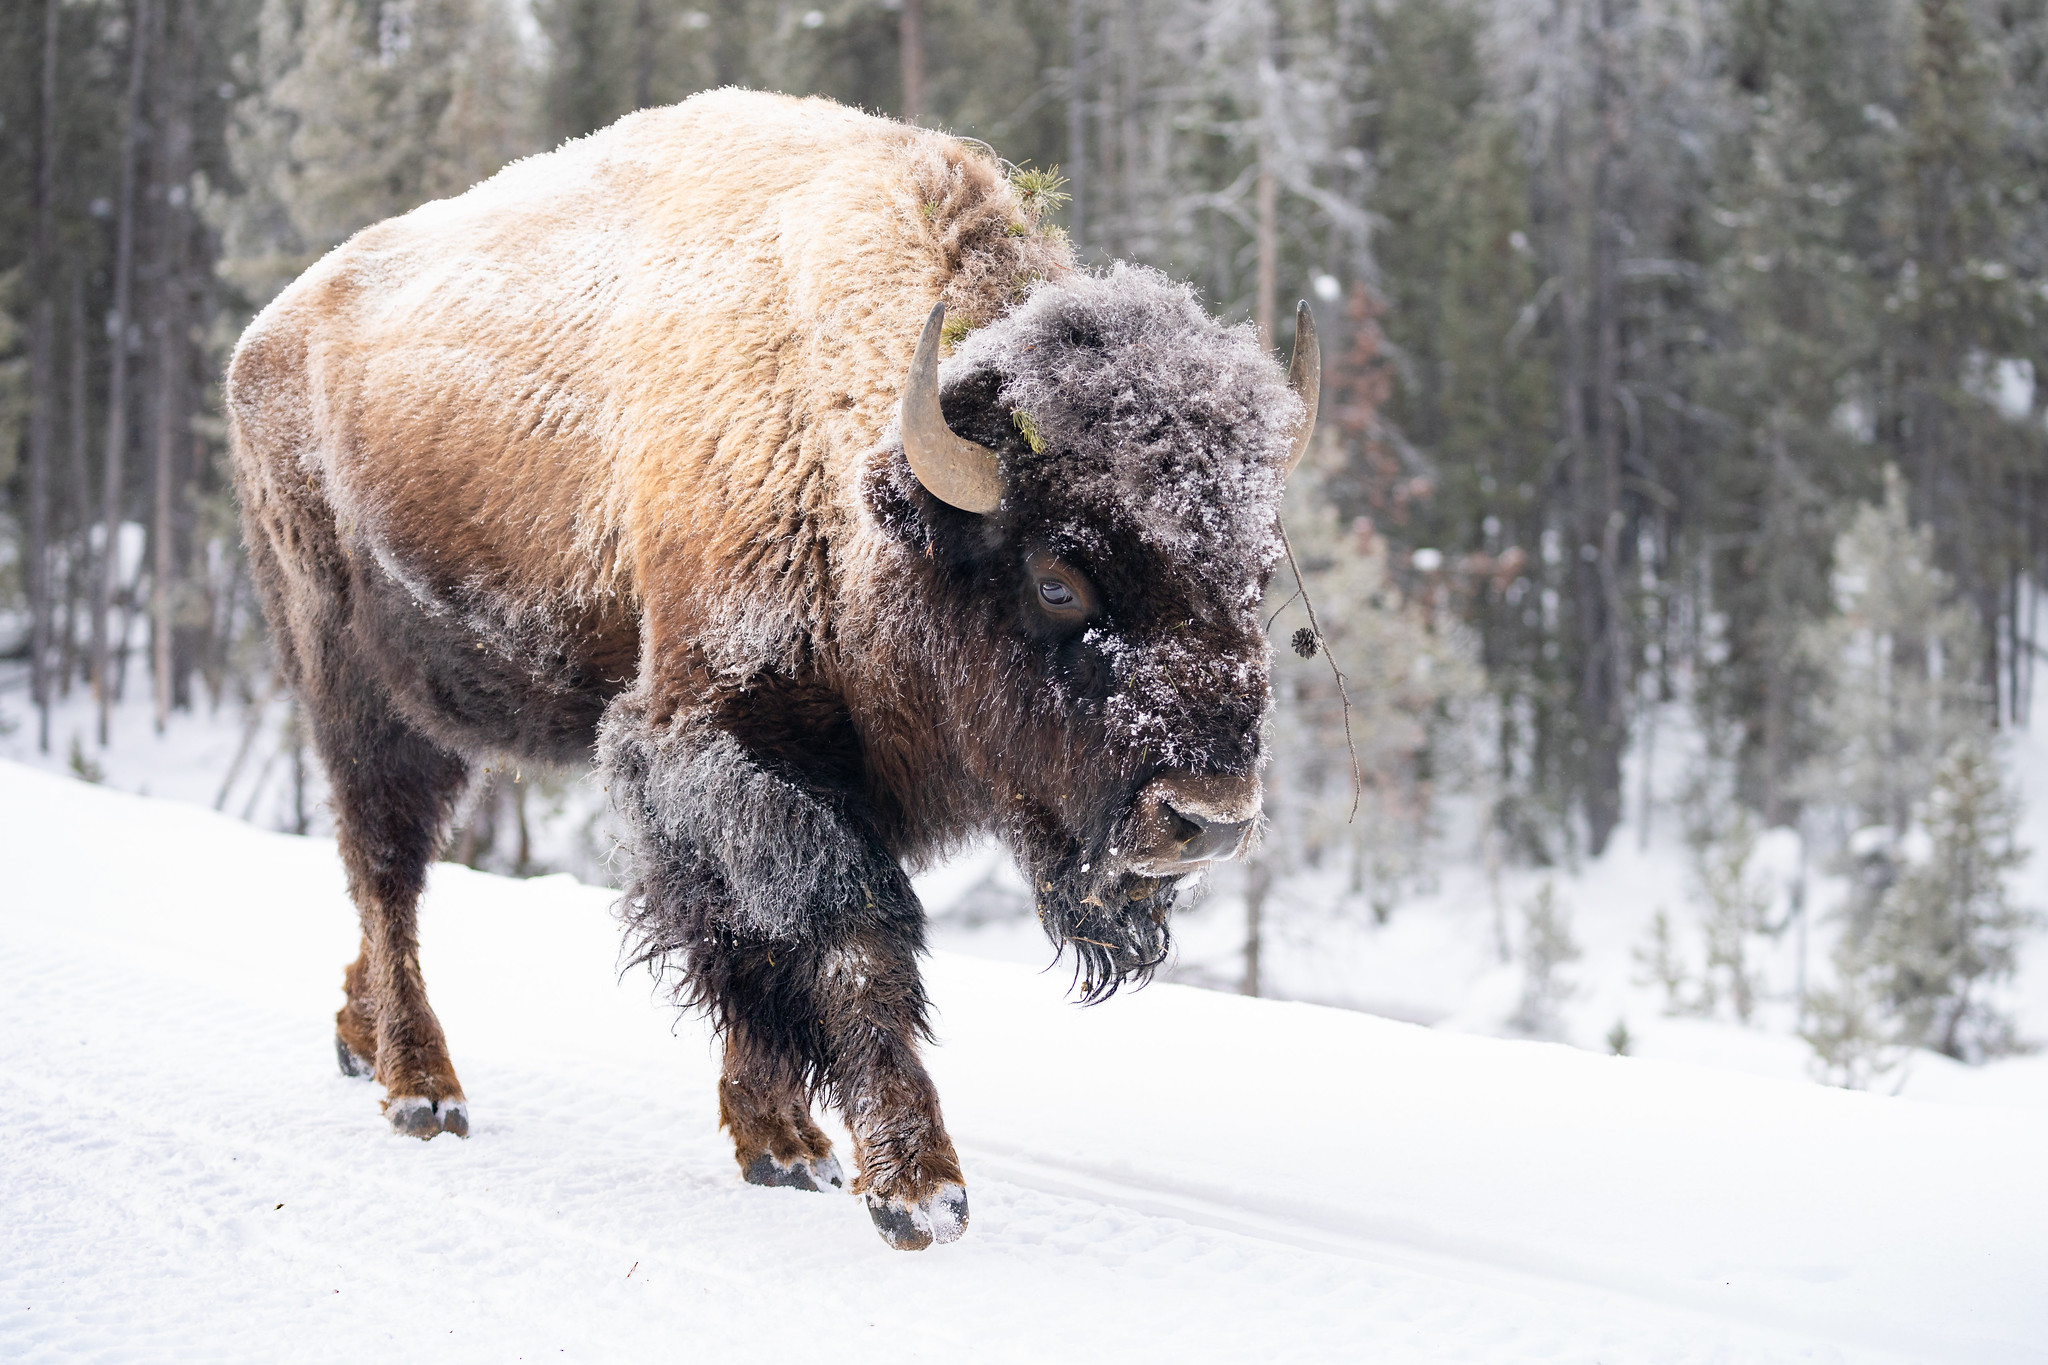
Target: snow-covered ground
x=1178, y=1174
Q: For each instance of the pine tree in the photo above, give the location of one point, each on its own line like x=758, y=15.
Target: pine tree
x=1960, y=298
x=1790, y=310
x=1736, y=903
x=1613, y=100
x=1948, y=930
x=1462, y=457
x=359, y=113
x=1899, y=664
x=14, y=415
x=596, y=49
x=1845, y=1026
x=1547, y=946
x=1408, y=668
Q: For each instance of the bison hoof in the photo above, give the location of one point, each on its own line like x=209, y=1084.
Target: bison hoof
x=417, y=1116
x=352, y=1063
x=804, y=1173
x=908, y=1226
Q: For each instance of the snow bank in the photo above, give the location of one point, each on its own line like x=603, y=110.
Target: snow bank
x=1175, y=1175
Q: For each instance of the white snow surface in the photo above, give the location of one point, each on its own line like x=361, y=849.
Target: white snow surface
x=1175, y=1175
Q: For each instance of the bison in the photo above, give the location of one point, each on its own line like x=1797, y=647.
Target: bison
x=644, y=449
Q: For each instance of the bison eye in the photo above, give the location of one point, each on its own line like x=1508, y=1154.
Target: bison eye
x=1058, y=589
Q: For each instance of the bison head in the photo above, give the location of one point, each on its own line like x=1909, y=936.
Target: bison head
x=1089, y=491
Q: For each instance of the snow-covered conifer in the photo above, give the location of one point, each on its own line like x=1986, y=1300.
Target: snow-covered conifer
x=358, y=112
x=1948, y=930
x=1547, y=946
x=1735, y=903
x=1899, y=663
x=1852, y=1044
x=1409, y=669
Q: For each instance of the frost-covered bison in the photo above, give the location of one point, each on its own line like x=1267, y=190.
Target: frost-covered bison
x=644, y=447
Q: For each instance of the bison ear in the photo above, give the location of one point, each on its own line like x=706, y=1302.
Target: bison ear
x=1305, y=377
x=954, y=470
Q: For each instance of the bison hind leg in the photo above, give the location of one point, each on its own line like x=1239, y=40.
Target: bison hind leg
x=352, y=1063
x=763, y=1104
x=355, y=1024
x=442, y=1110
x=394, y=792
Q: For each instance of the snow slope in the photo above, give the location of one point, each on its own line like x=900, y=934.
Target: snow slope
x=1177, y=1174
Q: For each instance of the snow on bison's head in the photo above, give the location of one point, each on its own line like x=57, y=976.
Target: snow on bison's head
x=1086, y=497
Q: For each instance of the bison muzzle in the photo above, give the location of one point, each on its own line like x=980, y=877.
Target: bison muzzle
x=651, y=448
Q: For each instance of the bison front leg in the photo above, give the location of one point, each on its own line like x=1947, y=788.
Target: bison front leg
x=759, y=880
x=870, y=1003
x=847, y=1008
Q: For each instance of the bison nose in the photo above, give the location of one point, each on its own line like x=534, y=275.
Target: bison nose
x=1204, y=839
x=1185, y=819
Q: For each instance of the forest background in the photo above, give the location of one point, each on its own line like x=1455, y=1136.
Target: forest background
x=1684, y=366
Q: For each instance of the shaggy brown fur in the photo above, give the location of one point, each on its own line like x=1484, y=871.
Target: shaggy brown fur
x=601, y=454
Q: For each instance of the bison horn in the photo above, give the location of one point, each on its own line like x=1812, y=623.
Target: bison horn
x=1305, y=377
x=957, y=472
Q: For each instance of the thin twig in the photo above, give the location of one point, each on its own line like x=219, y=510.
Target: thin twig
x=1283, y=606
x=1301, y=588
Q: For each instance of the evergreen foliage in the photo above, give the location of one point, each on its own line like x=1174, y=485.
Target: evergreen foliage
x=358, y=113
x=1899, y=687
x=1410, y=673
x=1947, y=931
x=1734, y=897
x=1547, y=946
x=1852, y=1044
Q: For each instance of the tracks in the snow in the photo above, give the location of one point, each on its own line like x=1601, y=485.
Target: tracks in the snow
x=1388, y=1246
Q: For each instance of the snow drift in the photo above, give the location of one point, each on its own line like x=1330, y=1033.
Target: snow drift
x=1175, y=1175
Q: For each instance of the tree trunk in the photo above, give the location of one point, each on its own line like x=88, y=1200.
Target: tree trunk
x=296, y=732
x=1598, y=476
x=912, y=35
x=729, y=43
x=141, y=29
x=1077, y=122
x=1778, y=561
x=43, y=389
x=163, y=582
x=1951, y=1044
x=1267, y=191
x=78, y=580
x=1268, y=245
x=175, y=130
x=1131, y=42
x=643, y=53
x=2016, y=596
x=1258, y=885
x=525, y=866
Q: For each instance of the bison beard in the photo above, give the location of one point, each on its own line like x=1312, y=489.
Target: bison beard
x=1117, y=934
x=800, y=668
